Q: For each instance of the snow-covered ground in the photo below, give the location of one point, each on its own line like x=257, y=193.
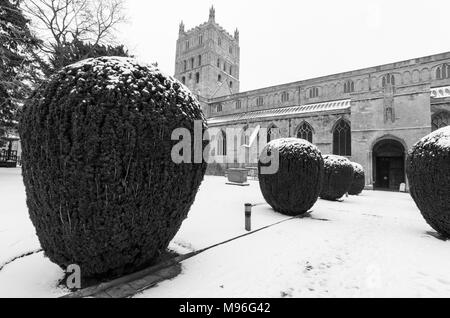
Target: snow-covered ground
x=374, y=245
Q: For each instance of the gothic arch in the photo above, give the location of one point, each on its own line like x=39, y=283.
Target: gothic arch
x=425, y=74
x=440, y=119
x=305, y=131
x=416, y=76
x=272, y=132
x=389, y=137
x=406, y=77
x=342, y=137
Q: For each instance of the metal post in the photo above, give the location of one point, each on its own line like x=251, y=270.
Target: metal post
x=248, y=217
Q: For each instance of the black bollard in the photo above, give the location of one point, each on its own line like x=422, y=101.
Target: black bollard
x=248, y=217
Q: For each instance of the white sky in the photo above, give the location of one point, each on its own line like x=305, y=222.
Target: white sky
x=288, y=40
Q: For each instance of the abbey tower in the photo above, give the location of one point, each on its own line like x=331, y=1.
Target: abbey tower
x=207, y=59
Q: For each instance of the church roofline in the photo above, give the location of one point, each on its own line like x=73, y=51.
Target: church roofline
x=343, y=75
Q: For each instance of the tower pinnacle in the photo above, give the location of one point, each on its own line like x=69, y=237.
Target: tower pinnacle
x=212, y=14
x=236, y=35
x=181, y=27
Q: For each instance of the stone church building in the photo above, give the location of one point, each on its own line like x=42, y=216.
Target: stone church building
x=373, y=116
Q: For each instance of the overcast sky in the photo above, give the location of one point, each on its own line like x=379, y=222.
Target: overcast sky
x=288, y=40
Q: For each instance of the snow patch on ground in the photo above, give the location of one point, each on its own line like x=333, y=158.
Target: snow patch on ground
x=374, y=245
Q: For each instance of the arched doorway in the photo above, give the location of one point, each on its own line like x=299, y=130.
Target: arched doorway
x=389, y=164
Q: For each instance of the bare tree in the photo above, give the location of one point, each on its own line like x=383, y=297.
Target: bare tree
x=64, y=21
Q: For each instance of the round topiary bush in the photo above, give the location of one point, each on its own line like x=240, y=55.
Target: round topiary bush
x=359, y=180
x=102, y=189
x=338, y=177
x=295, y=187
x=428, y=169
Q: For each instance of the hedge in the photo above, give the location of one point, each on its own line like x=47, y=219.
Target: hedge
x=102, y=189
x=428, y=170
x=338, y=177
x=295, y=187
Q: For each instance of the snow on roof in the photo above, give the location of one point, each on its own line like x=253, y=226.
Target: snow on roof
x=285, y=111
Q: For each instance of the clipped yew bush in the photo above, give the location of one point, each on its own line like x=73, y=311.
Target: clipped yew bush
x=428, y=170
x=296, y=185
x=359, y=180
x=102, y=189
x=338, y=177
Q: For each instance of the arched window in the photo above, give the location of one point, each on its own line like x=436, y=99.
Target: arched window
x=272, y=133
x=441, y=120
x=342, y=139
x=197, y=78
x=222, y=144
x=388, y=80
x=218, y=63
x=192, y=62
x=305, y=132
x=200, y=39
x=260, y=101
x=231, y=84
x=183, y=80
x=349, y=87
x=185, y=66
x=285, y=97
x=231, y=70
x=219, y=108
x=219, y=78
x=314, y=92
x=238, y=104
x=443, y=72
x=439, y=73
x=199, y=60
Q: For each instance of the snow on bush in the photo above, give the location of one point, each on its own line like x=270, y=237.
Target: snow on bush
x=102, y=190
x=295, y=188
x=428, y=169
x=338, y=177
x=359, y=180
